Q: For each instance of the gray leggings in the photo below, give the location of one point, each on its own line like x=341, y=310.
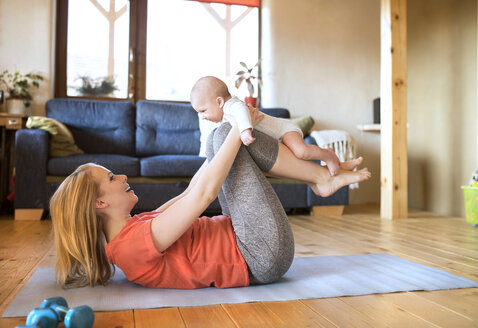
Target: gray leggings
x=263, y=232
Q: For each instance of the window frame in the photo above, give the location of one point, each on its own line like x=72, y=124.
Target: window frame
x=137, y=57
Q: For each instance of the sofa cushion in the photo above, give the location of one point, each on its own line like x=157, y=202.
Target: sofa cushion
x=97, y=126
x=305, y=123
x=118, y=164
x=276, y=112
x=166, y=128
x=171, y=165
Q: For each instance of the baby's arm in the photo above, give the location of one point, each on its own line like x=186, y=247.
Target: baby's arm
x=240, y=112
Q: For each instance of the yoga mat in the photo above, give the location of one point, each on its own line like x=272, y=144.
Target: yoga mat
x=308, y=277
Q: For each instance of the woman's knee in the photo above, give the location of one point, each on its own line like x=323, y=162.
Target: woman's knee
x=264, y=150
x=220, y=135
x=216, y=138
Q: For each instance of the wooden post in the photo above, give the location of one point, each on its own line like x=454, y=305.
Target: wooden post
x=393, y=99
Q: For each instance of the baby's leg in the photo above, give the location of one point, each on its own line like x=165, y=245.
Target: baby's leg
x=262, y=229
x=294, y=141
x=316, y=176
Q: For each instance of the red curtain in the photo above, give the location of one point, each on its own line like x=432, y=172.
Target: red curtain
x=249, y=3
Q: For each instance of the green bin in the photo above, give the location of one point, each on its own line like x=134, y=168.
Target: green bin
x=471, y=204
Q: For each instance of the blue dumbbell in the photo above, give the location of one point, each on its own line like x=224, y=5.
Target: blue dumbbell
x=55, y=309
x=79, y=317
x=41, y=318
x=58, y=305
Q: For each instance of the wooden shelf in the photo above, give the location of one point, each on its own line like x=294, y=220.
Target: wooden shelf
x=369, y=127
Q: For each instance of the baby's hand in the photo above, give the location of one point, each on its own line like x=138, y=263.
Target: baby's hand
x=246, y=137
x=256, y=116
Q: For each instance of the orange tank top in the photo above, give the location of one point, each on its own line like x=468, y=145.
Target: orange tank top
x=205, y=255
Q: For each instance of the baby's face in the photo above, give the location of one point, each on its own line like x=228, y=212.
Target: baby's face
x=207, y=108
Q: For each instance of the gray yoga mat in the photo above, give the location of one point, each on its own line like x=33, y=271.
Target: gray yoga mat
x=309, y=277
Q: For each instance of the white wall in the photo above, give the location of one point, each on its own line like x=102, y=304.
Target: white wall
x=26, y=39
x=442, y=108
x=322, y=58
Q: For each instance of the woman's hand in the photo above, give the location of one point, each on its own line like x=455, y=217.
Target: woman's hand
x=256, y=116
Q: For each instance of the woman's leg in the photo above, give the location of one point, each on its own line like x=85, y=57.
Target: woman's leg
x=315, y=175
x=263, y=232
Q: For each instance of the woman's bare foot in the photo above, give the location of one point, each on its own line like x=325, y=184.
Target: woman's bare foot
x=344, y=178
x=352, y=164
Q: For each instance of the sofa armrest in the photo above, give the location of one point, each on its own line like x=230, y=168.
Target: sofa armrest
x=310, y=141
x=31, y=155
x=340, y=197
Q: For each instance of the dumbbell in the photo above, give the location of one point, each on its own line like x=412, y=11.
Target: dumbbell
x=55, y=309
x=41, y=318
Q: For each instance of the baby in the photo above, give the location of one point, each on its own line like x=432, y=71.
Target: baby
x=211, y=99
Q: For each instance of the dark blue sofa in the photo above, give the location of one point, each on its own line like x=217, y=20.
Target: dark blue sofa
x=154, y=143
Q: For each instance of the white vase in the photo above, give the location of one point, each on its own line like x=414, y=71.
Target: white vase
x=16, y=106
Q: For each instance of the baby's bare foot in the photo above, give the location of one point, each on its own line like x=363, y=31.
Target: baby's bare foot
x=352, y=164
x=344, y=178
x=332, y=161
x=334, y=167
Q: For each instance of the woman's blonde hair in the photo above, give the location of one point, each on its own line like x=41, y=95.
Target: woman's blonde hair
x=78, y=231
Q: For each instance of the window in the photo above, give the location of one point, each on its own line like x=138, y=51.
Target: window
x=151, y=49
x=187, y=40
x=97, y=48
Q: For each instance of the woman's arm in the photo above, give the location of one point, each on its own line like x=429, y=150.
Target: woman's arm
x=193, y=181
x=178, y=217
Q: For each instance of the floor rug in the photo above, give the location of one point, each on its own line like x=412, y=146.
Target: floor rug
x=308, y=277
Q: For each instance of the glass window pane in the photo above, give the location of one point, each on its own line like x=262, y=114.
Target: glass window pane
x=187, y=40
x=97, y=50
x=246, y=32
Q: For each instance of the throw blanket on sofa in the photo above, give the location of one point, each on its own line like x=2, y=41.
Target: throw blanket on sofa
x=62, y=142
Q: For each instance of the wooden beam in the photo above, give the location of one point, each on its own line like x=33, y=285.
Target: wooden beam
x=393, y=98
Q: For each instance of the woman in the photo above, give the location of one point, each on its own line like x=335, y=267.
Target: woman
x=173, y=248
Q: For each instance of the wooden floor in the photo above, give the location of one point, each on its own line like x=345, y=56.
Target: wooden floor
x=446, y=243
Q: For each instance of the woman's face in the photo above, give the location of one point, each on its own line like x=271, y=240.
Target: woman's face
x=114, y=191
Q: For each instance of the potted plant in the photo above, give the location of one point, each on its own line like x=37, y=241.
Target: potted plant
x=246, y=76
x=99, y=87
x=17, y=88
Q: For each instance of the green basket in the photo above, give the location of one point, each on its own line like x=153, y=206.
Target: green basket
x=471, y=204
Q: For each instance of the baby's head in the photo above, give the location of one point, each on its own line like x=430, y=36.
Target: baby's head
x=208, y=97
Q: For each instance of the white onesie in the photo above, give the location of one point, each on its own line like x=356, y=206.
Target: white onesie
x=273, y=126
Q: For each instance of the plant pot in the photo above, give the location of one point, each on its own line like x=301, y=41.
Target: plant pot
x=251, y=101
x=16, y=106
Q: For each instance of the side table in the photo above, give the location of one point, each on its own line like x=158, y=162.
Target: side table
x=9, y=123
